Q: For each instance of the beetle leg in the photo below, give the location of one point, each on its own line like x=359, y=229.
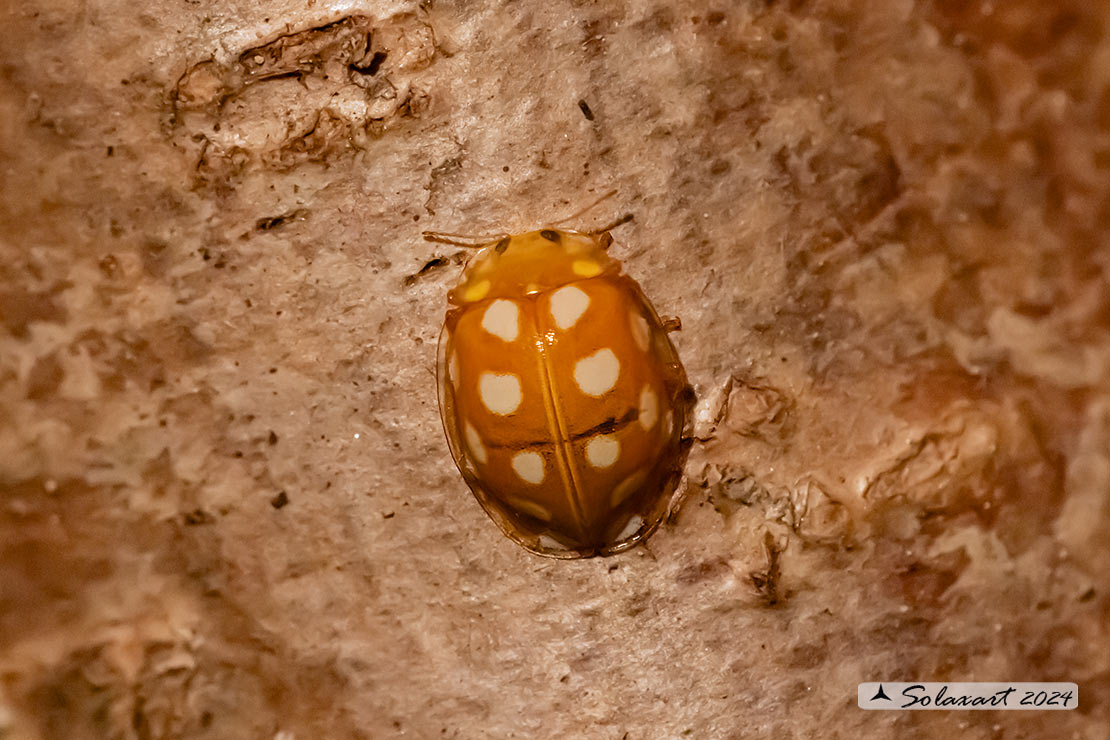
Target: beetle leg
x=671, y=324
x=431, y=265
x=681, y=493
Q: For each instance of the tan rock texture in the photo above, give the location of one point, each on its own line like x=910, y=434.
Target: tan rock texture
x=227, y=509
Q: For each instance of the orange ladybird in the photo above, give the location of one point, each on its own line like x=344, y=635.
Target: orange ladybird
x=561, y=394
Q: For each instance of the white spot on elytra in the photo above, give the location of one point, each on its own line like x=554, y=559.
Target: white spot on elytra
x=500, y=392
x=548, y=542
x=668, y=423
x=603, y=450
x=529, y=466
x=649, y=408
x=631, y=528
x=627, y=487
x=640, y=332
x=530, y=507
x=474, y=444
x=502, y=319
x=567, y=306
x=453, y=369
x=596, y=374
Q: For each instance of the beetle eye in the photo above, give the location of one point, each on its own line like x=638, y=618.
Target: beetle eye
x=551, y=236
x=502, y=245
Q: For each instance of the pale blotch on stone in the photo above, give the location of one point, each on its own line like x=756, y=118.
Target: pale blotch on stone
x=585, y=268
x=474, y=444
x=476, y=291
x=567, y=306
x=640, y=331
x=631, y=528
x=649, y=408
x=627, y=487
x=500, y=393
x=502, y=320
x=596, y=374
x=603, y=450
x=529, y=466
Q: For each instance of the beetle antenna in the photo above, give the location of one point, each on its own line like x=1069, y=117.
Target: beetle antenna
x=591, y=206
x=471, y=241
x=620, y=221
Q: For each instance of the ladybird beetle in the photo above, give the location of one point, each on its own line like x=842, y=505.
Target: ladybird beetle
x=562, y=397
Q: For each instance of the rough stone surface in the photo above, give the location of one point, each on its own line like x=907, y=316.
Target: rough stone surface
x=226, y=506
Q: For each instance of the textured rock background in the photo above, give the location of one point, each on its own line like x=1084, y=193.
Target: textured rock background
x=226, y=506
